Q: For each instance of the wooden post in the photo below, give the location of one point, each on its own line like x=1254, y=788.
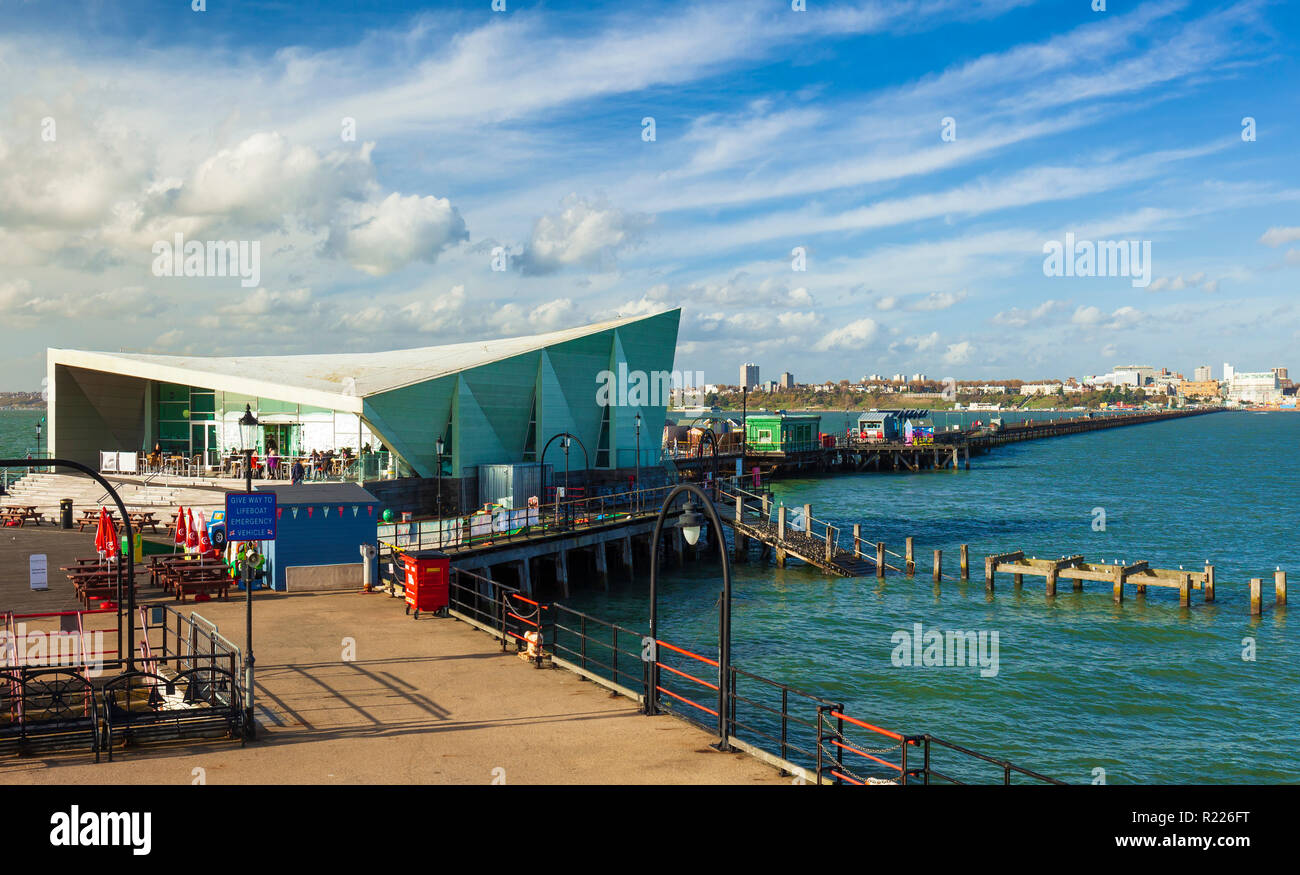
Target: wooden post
x=1118, y=593
x=780, y=524
x=911, y=558
x=1256, y=584
x=965, y=562
x=857, y=540
x=1184, y=590
x=938, y=565
x=880, y=559
x=1051, y=582
x=1209, y=582
x=830, y=547
x=807, y=519
x=1279, y=587
x=525, y=577
x=1017, y=580
x=627, y=554
x=988, y=573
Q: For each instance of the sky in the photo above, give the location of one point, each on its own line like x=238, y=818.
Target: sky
x=848, y=189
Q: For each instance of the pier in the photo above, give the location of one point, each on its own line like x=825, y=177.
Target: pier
x=950, y=450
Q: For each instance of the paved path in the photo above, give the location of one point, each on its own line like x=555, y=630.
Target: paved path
x=424, y=701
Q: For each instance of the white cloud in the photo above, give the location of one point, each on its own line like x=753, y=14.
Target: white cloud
x=1279, y=236
x=849, y=337
x=958, y=353
x=378, y=238
x=582, y=233
x=1018, y=318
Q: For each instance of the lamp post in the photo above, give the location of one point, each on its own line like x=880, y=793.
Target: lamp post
x=564, y=445
x=248, y=433
x=689, y=522
x=637, y=482
x=744, y=426
x=439, y=445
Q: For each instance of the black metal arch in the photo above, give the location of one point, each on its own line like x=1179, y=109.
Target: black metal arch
x=724, y=625
x=585, y=458
x=130, y=544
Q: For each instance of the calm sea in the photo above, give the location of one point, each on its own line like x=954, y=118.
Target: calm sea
x=1147, y=691
x=18, y=432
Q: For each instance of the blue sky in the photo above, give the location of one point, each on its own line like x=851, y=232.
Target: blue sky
x=123, y=124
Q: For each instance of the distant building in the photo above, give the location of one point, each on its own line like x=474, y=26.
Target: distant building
x=1200, y=390
x=918, y=378
x=749, y=376
x=1142, y=374
x=1040, y=388
x=1227, y=373
x=1281, y=374
x=787, y=380
x=1255, y=388
x=1203, y=374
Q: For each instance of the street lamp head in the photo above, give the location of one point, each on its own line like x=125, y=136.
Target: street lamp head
x=247, y=423
x=638, y=423
x=689, y=522
x=440, y=446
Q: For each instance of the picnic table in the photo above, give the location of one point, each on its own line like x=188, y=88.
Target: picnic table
x=191, y=576
x=90, y=517
x=141, y=519
x=96, y=581
x=20, y=514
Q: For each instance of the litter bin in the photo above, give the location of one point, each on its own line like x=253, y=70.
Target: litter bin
x=65, y=513
x=427, y=588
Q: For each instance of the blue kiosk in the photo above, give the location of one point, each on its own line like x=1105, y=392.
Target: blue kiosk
x=319, y=533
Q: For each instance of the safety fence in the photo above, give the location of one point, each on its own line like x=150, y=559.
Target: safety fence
x=503, y=525
x=805, y=734
x=62, y=689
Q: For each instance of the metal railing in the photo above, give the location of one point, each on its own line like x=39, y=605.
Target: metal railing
x=505, y=525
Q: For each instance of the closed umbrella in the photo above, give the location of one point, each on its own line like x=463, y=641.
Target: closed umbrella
x=191, y=536
x=110, y=534
x=180, y=528
x=101, y=532
x=205, y=545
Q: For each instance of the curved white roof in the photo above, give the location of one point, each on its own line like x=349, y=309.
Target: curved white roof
x=337, y=380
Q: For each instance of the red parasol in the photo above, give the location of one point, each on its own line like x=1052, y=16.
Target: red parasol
x=191, y=535
x=101, y=532
x=110, y=547
x=180, y=526
x=205, y=546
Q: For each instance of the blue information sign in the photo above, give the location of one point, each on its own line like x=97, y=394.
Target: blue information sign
x=250, y=516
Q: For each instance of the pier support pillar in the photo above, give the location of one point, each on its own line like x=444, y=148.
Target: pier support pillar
x=965, y=562
x=807, y=518
x=965, y=451
x=562, y=571
x=627, y=555
x=1279, y=587
x=1051, y=583
x=830, y=545
x=1185, y=590
x=675, y=541
x=1117, y=595
x=1209, y=582
x=857, y=540
x=602, y=568
x=910, y=556
x=938, y=565
x=525, y=577
x=779, y=555
x=780, y=525
x=1017, y=580
x=989, y=572
x=880, y=559
x=1256, y=585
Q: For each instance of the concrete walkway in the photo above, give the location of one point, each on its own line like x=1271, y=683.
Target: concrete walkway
x=422, y=701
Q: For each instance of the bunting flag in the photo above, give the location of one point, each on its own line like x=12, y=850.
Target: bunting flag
x=310, y=508
x=326, y=509
x=340, y=510
x=371, y=508
x=354, y=510
x=295, y=511
x=279, y=512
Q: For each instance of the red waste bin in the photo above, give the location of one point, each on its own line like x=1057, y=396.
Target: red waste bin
x=427, y=580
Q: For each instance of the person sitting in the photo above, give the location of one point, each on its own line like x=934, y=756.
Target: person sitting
x=296, y=473
x=272, y=462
